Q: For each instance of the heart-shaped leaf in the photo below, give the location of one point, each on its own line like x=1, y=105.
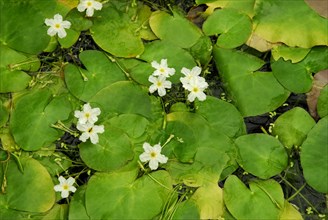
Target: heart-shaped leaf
x=113, y=151
x=261, y=155
x=253, y=92
x=292, y=127
x=37, y=111
x=174, y=29
x=122, y=196
x=100, y=72
x=234, y=28
x=265, y=199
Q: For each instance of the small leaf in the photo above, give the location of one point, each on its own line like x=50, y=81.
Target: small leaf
x=264, y=198
x=292, y=127
x=235, y=28
x=174, y=29
x=261, y=155
x=314, y=156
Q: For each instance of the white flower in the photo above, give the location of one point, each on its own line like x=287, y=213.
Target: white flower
x=196, y=88
x=153, y=155
x=162, y=69
x=57, y=26
x=87, y=115
x=189, y=75
x=159, y=83
x=65, y=186
x=90, y=131
x=90, y=6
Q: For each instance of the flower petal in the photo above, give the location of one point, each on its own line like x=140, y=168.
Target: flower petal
x=61, y=33
x=64, y=193
x=58, y=188
x=153, y=164
x=147, y=147
x=83, y=137
x=162, y=158
x=90, y=11
x=144, y=157
x=51, y=31
x=94, y=138
x=58, y=18
x=70, y=181
x=97, y=5
x=66, y=24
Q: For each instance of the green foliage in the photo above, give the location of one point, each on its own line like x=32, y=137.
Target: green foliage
x=215, y=167
x=292, y=127
x=261, y=155
x=314, y=156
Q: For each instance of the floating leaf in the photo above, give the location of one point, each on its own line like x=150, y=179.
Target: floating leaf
x=124, y=97
x=115, y=33
x=209, y=200
x=297, y=77
x=222, y=116
x=234, y=28
x=245, y=6
x=32, y=190
x=12, y=78
x=21, y=17
x=113, y=151
x=186, y=210
x=292, y=22
x=264, y=198
x=253, y=92
x=261, y=155
x=295, y=54
x=292, y=127
x=290, y=212
x=36, y=111
x=121, y=196
x=100, y=72
x=57, y=212
x=77, y=209
x=314, y=156
x=4, y=114
x=174, y=29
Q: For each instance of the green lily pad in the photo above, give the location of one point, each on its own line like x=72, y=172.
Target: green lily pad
x=314, y=156
x=234, y=28
x=177, y=58
x=57, y=212
x=122, y=196
x=113, y=151
x=124, y=97
x=186, y=210
x=222, y=116
x=261, y=155
x=264, y=198
x=12, y=76
x=322, y=106
x=114, y=32
x=290, y=212
x=30, y=191
x=37, y=110
x=253, y=92
x=133, y=125
x=21, y=17
x=77, y=209
x=209, y=200
x=292, y=22
x=70, y=39
x=297, y=77
x=203, y=150
x=174, y=29
x=292, y=127
x=295, y=54
x=100, y=72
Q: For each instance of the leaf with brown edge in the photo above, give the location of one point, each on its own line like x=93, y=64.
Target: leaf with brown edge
x=319, y=81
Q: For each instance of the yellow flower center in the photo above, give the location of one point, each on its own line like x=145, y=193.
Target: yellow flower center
x=195, y=89
x=89, y=4
x=159, y=84
x=153, y=154
x=162, y=70
x=87, y=115
x=57, y=25
x=65, y=186
x=90, y=130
